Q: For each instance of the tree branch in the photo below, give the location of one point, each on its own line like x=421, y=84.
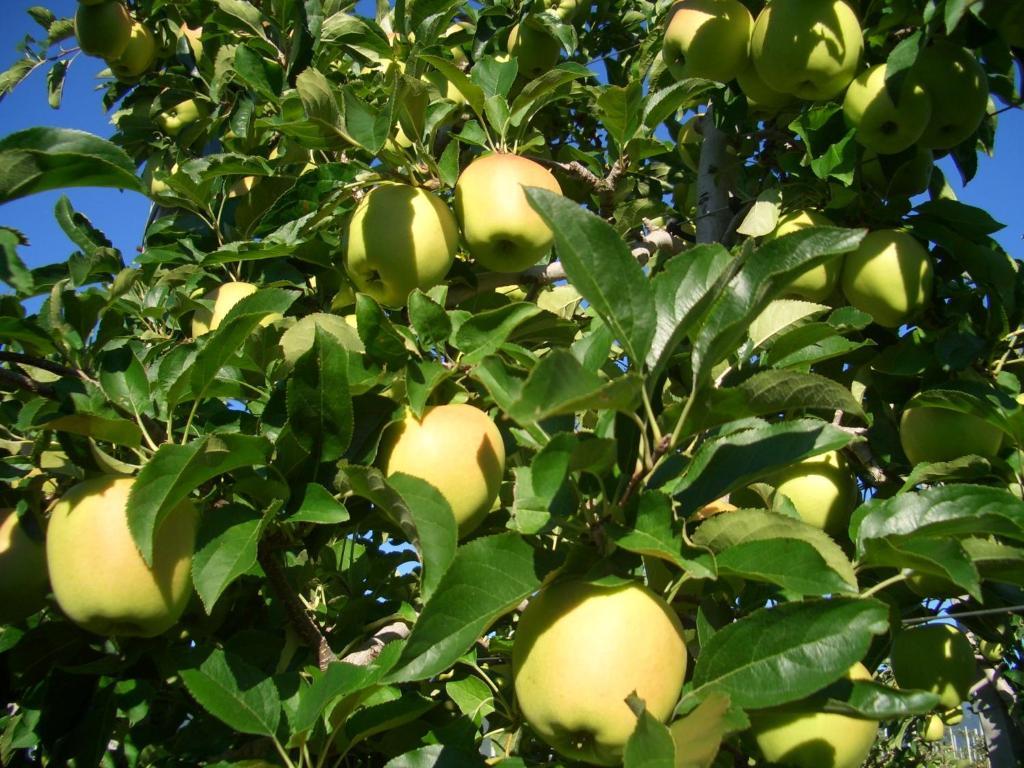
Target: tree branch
x=45, y=365
x=27, y=383
x=370, y=650
x=296, y=611
x=713, y=212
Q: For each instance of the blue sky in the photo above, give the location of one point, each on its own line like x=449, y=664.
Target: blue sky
x=121, y=215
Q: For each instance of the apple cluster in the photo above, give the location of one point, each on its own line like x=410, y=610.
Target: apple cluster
x=104, y=28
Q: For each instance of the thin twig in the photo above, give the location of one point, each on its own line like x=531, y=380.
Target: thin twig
x=27, y=383
x=45, y=365
x=979, y=612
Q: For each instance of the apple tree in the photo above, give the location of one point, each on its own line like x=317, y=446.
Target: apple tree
x=514, y=383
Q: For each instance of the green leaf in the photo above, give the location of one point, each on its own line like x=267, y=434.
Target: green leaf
x=771, y=392
x=177, y=470
x=864, y=698
x=440, y=756
x=12, y=269
x=541, y=90
x=488, y=577
x=559, y=384
x=495, y=78
x=378, y=334
x=109, y=429
x=793, y=564
x=225, y=550
x=484, y=333
x=472, y=696
x=473, y=93
x=944, y=558
x=421, y=378
x=618, y=108
x=55, y=79
x=319, y=404
x=787, y=652
x=428, y=319
x=42, y=159
x=602, y=269
x=124, y=379
x=320, y=507
x=540, y=489
x=724, y=464
x=650, y=745
x=235, y=692
x=698, y=736
x=653, y=534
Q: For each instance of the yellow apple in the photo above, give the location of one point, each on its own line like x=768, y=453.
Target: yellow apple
x=174, y=120
x=534, y=49
x=224, y=297
x=400, y=238
x=939, y=434
x=809, y=48
x=760, y=97
x=958, y=89
x=889, y=276
x=23, y=580
x=457, y=449
x=935, y=658
x=953, y=716
x=823, y=490
x=893, y=176
x=806, y=737
x=98, y=575
x=708, y=38
x=817, y=283
x=881, y=124
x=580, y=650
x=934, y=730
x=501, y=230
x=138, y=56
x=103, y=29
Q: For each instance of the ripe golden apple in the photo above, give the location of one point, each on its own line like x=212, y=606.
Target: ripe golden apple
x=817, y=283
x=810, y=738
x=98, y=575
x=179, y=117
x=708, y=38
x=103, y=29
x=535, y=50
x=809, y=48
x=882, y=124
x=23, y=579
x=958, y=89
x=935, y=658
x=580, y=650
x=138, y=56
x=889, y=276
x=501, y=230
x=938, y=434
x=760, y=97
x=893, y=176
x=457, y=449
x=934, y=729
x=823, y=490
x=400, y=237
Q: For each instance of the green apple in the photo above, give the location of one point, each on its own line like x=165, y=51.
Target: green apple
x=934, y=587
x=103, y=29
x=823, y=490
x=502, y=232
x=457, y=449
x=990, y=651
x=817, y=283
x=534, y=49
x=760, y=97
x=893, y=176
x=708, y=38
x=803, y=736
x=935, y=658
x=224, y=297
x=179, y=117
x=939, y=434
x=958, y=89
x=137, y=57
x=98, y=575
x=400, y=238
x=881, y=124
x=934, y=729
x=23, y=580
x=580, y=650
x=889, y=276
x=953, y=716
x=809, y=48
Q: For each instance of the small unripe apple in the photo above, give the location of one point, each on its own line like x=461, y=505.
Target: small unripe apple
x=809, y=48
x=953, y=716
x=807, y=737
x=103, y=29
x=823, y=491
x=23, y=579
x=934, y=730
x=894, y=176
x=457, y=449
x=580, y=650
x=98, y=575
x=501, y=230
x=882, y=124
x=958, y=88
x=990, y=651
x=400, y=238
x=535, y=50
x=138, y=56
x=179, y=117
x=817, y=283
x=889, y=276
x=708, y=38
x=939, y=434
x=935, y=658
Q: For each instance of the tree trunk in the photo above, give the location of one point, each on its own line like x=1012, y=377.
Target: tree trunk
x=995, y=721
x=713, y=214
